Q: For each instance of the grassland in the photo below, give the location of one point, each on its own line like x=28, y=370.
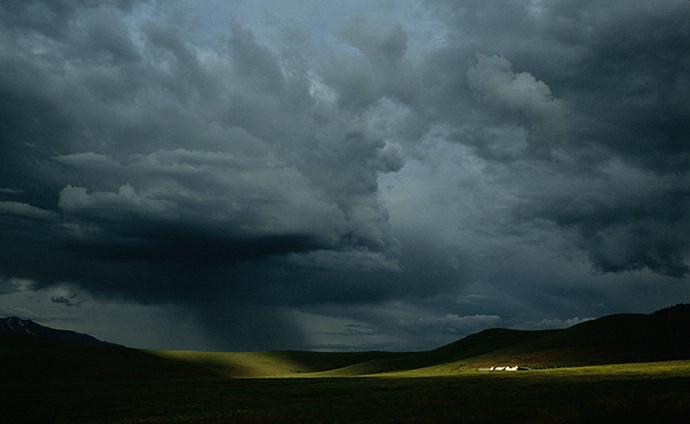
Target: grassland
x=279, y=364
x=630, y=393
x=624, y=368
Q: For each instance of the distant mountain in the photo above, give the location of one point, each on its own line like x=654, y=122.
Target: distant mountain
x=24, y=326
x=29, y=352
x=623, y=338
x=614, y=339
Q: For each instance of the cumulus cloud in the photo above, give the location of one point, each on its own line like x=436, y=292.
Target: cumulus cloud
x=624, y=219
x=382, y=43
x=15, y=285
x=452, y=324
x=170, y=152
x=359, y=259
x=5, y=190
x=65, y=300
x=248, y=170
x=24, y=210
x=521, y=96
x=548, y=324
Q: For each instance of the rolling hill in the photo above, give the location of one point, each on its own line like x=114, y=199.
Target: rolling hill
x=614, y=339
x=30, y=352
x=24, y=326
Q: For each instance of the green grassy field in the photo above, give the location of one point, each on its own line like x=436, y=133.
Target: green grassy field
x=280, y=364
x=630, y=393
x=620, y=369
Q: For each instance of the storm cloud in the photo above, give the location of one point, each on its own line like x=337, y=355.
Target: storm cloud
x=419, y=170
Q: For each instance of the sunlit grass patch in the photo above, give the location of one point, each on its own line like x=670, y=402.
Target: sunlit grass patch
x=630, y=393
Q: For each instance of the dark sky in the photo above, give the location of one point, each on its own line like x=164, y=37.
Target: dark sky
x=394, y=175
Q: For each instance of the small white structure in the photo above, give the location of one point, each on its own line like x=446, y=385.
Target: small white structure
x=513, y=368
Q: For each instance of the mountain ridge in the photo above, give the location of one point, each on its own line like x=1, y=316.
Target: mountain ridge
x=25, y=326
x=614, y=339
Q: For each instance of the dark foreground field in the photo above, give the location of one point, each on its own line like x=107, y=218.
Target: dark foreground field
x=632, y=393
x=627, y=368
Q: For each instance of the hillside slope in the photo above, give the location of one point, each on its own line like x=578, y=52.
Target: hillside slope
x=24, y=326
x=614, y=339
x=30, y=358
x=274, y=363
x=622, y=338
x=474, y=345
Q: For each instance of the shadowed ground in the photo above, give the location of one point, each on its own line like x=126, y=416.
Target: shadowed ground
x=621, y=368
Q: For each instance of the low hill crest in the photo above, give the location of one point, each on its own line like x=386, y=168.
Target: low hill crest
x=24, y=326
x=622, y=338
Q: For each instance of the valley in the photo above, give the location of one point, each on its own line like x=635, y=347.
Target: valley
x=630, y=368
